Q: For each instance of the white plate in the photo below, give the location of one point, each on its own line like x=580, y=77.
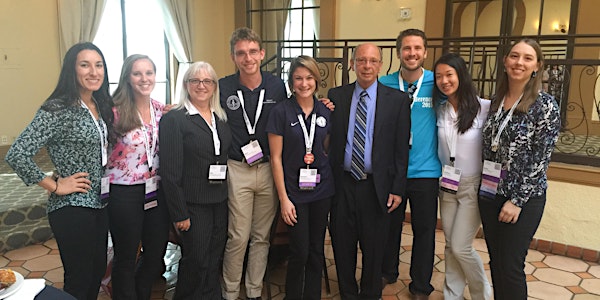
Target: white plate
x=4, y=293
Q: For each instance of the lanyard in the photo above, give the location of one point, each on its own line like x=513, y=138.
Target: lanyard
x=252, y=129
x=102, y=131
x=150, y=149
x=308, y=139
x=496, y=140
x=215, y=134
x=419, y=82
x=451, y=132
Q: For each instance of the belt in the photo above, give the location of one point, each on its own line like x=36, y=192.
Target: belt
x=264, y=159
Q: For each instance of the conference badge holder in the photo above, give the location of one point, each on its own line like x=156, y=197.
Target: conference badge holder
x=217, y=174
x=450, y=179
x=493, y=172
x=104, y=188
x=252, y=153
x=151, y=195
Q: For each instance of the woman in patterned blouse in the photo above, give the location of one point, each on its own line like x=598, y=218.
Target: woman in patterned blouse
x=518, y=140
x=135, y=212
x=73, y=124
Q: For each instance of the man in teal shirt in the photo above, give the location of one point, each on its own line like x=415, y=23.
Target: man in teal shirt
x=424, y=167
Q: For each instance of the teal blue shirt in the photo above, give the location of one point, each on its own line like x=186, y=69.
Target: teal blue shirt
x=423, y=161
x=73, y=143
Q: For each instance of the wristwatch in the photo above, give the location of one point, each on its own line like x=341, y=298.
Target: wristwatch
x=55, y=175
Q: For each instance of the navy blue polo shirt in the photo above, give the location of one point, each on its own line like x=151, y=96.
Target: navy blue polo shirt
x=274, y=92
x=283, y=121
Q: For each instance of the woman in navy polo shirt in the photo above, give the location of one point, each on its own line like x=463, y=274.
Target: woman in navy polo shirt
x=299, y=137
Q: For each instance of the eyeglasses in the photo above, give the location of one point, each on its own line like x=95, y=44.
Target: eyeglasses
x=364, y=61
x=252, y=52
x=206, y=82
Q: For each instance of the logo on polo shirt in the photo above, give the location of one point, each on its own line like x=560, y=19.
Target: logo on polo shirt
x=233, y=102
x=321, y=121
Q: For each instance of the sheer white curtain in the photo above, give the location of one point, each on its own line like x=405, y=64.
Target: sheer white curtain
x=177, y=17
x=78, y=21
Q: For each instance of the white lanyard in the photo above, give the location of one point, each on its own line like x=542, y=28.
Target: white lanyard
x=215, y=134
x=451, y=132
x=419, y=82
x=103, y=131
x=308, y=139
x=252, y=129
x=496, y=140
x=150, y=149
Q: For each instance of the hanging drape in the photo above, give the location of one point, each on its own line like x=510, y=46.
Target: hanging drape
x=177, y=18
x=274, y=24
x=78, y=21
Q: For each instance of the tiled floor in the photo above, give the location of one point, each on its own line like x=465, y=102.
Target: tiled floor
x=549, y=276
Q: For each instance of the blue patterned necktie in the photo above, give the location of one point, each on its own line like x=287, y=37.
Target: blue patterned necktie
x=357, y=166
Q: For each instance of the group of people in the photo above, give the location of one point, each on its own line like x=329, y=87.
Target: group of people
x=236, y=152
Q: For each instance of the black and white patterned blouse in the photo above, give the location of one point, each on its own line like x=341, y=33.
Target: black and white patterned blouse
x=525, y=147
x=73, y=143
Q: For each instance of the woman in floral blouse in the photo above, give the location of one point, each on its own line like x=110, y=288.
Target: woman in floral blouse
x=136, y=213
x=73, y=124
x=518, y=140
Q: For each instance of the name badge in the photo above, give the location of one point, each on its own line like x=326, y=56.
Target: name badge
x=252, y=153
x=490, y=177
x=150, y=200
x=450, y=179
x=104, y=188
x=217, y=173
x=307, y=179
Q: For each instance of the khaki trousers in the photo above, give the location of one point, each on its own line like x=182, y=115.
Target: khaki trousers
x=252, y=206
x=461, y=221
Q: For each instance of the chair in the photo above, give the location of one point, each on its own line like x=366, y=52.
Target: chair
x=279, y=236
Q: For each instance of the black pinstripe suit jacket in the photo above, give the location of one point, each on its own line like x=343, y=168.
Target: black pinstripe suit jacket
x=186, y=152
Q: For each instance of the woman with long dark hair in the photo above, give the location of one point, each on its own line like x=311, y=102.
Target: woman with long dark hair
x=460, y=118
x=74, y=124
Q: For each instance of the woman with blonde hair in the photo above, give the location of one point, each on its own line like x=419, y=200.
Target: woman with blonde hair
x=195, y=140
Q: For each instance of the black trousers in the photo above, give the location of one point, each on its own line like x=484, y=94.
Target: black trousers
x=130, y=224
x=82, y=235
x=201, y=252
x=508, y=244
x=307, y=239
x=358, y=218
x=422, y=194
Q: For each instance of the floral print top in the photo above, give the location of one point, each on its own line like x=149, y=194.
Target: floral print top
x=525, y=147
x=128, y=162
x=73, y=144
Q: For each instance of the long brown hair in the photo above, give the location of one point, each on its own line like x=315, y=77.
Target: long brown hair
x=124, y=99
x=533, y=86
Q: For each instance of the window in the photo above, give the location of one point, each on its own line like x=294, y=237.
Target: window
x=134, y=27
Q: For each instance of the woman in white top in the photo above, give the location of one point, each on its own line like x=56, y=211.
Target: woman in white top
x=460, y=118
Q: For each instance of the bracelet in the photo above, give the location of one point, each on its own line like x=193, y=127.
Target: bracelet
x=56, y=188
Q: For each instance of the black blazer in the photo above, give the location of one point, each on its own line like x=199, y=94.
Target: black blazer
x=186, y=152
x=390, y=139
